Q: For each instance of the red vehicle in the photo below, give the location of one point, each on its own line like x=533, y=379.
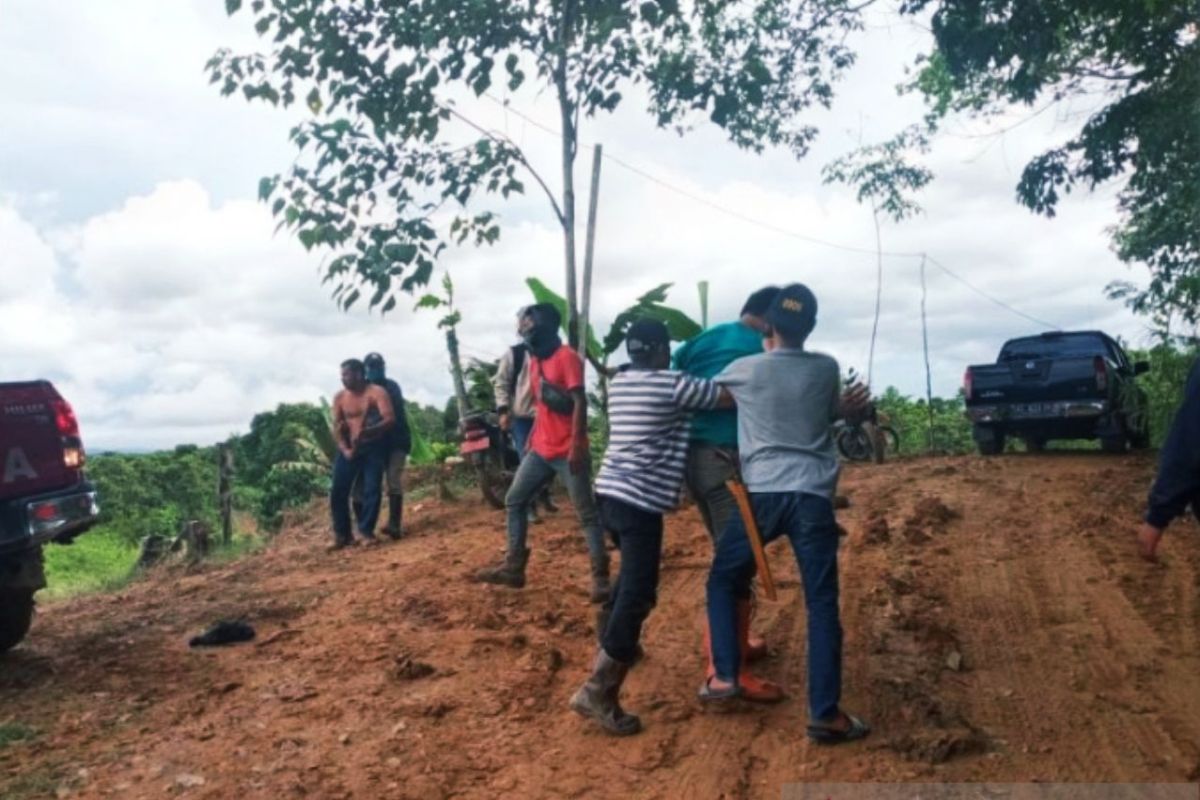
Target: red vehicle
x=44, y=495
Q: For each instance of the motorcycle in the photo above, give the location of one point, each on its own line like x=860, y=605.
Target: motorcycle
x=854, y=439
x=491, y=452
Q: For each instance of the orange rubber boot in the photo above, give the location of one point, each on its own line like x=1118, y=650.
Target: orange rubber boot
x=754, y=688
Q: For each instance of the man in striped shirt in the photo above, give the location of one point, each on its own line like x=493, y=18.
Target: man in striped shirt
x=641, y=478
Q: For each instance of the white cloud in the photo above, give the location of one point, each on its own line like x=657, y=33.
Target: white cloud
x=138, y=272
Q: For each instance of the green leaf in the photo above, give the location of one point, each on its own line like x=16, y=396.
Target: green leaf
x=543, y=294
x=231, y=6
x=404, y=253
x=265, y=187
x=429, y=301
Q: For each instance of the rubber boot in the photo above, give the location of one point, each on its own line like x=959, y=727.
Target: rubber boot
x=754, y=688
x=754, y=648
x=511, y=572
x=394, y=528
x=601, y=588
x=598, y=698
x=603, y=615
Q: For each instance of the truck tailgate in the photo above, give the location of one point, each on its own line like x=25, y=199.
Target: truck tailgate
x=31, y=448
x=1037, y=380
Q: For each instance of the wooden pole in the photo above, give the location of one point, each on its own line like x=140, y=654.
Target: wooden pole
x=585, y=303
x=225, y=490
x=928, y=371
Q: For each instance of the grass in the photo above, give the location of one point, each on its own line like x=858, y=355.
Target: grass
x=103, y=561
x=97, y=561
x=13, y=732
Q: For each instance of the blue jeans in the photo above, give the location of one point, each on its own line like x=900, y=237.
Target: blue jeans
x=808, y=522
x=531, y=477
x=367, y=468
x=639, y=535
x=521, y=428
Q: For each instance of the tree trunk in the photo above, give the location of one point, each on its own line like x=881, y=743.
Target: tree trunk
x=456, y=370
x=225, y=491
x=878, y=296
x=569, y=145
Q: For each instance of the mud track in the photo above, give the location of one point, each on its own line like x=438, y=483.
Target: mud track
x=999, y=626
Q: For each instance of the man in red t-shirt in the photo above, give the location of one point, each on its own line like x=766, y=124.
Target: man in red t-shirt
x=557, y=446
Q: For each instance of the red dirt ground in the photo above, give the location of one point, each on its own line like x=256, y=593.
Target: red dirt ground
x=999, y=626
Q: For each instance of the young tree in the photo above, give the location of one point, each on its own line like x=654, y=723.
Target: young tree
x=449, y=323
x=388, y=166
x=1138, y=63
x=883, y=178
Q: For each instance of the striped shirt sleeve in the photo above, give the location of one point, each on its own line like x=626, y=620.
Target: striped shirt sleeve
x=696, y=394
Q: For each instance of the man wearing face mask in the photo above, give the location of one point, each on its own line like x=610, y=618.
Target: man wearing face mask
x=515, y=406
x=558, y=446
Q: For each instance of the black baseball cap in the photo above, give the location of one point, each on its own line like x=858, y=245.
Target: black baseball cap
x=793, y=313
x=645, y=336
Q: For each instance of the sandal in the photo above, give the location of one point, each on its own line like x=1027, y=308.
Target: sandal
x=822, y=734
x=708, y=694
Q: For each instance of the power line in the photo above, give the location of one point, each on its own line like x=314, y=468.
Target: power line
x=987, y=296
x=775, y=228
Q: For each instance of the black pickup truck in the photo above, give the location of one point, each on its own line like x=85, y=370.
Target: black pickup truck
x=1060, y=385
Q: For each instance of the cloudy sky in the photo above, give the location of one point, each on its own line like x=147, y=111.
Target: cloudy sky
x=138, y=272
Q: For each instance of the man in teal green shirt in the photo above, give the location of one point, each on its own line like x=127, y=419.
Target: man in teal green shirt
x=714, y=432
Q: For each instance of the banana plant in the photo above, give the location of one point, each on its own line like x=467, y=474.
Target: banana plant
x=680, y=326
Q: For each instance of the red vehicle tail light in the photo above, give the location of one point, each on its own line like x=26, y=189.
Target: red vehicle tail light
x=68, y=429
x=44, y=512
x=967, y=384
x=64, y=418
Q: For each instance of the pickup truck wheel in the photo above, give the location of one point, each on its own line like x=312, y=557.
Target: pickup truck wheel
x=1113, y=444
x=1140, y=439
x=16, y=613
x=991, y=444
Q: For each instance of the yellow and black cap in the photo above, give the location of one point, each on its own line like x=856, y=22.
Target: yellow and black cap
x=793, y=313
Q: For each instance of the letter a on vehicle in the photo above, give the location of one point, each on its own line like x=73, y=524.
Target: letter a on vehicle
x=16, y=465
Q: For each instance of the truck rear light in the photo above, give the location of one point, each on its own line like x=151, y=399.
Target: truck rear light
x=43, y=512
x=967, y=384
x=68, y=429
x=64, y=418
x=1101, y=367
x=73, y=457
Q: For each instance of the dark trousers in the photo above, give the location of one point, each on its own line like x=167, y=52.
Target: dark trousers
x=638, y=534
x=808, y=522
x=367, y=469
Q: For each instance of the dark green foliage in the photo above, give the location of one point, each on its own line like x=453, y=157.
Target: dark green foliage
x=479, y=375
x=385, y=178
x=273, y=440
x=1142, y=61
x=1164, y=383
x=910, y=418
x=155, y=493
x=882, y=174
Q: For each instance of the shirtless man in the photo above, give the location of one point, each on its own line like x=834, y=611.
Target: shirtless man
x=362, y=414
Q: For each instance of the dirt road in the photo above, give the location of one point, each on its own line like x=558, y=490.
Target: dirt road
x=998, y=627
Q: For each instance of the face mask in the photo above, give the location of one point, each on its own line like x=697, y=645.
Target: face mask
x=374, y=375
x=542, y=342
